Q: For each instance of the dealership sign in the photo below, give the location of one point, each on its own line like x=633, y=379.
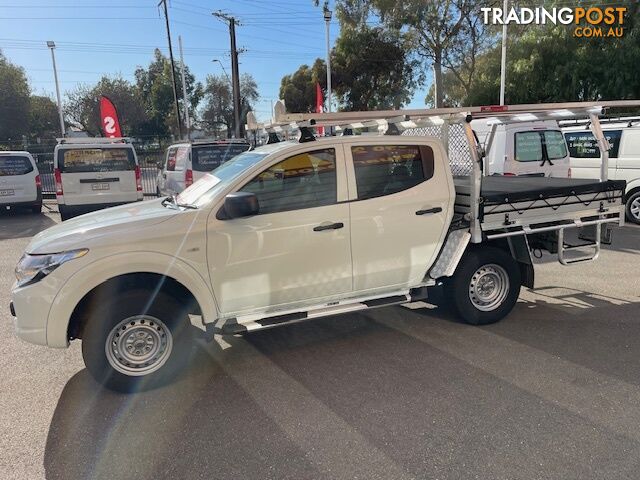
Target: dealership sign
x=589, y=22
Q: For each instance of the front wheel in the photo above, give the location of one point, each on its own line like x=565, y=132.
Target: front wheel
x=485, y=286
x=633, y=208
x=137, y=340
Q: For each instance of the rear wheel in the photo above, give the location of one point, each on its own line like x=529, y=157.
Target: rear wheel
x=633, y=208
x=36, y=208
x=137, y=340
x=64, y=214
x=485, y=287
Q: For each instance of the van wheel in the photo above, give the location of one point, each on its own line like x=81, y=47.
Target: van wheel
x=633, y=208
x=485, y=286
x=36, y=208
x=137, y=340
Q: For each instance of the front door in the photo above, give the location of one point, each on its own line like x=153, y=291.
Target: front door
x=296, y=251
x=401, y=213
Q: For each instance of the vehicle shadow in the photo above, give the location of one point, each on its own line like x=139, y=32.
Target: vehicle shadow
x=20, y=223
x=386, y=394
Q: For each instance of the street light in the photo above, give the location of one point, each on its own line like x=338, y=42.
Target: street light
x=327, y=19
x=503, y=60
x=223, y=69
x=52, y=47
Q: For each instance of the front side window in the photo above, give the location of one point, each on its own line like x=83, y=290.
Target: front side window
x=387, y=169
x=584, y=144
x=306, y=180
x=83, y=160
x=11, y=165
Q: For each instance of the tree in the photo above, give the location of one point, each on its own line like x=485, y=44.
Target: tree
x=82, y=106
x=299, y=89
x=372, y=69
x=43, y=117
x=14, y=100
x=154, y=85
x=217, y=113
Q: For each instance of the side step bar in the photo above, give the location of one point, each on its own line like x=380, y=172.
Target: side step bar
x=252, y=323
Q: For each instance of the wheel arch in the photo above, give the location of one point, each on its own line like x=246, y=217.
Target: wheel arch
x=135, y=268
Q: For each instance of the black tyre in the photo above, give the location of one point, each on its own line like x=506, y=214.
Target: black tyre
x=485, y=286
x=137, y=340
x=64, y=214
x=633, y=208
x=36, y=208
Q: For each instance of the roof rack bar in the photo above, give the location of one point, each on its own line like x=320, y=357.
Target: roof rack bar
x=89, y=140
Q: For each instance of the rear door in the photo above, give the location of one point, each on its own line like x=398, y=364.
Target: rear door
x=206, y=158
x=17, y=179
x=401, y=207
x=626, y=147
x=98, y=174
x=540, y=152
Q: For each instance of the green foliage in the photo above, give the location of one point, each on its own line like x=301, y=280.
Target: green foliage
x=14, y=100
x=299, y=89
x=43, y=117
x=217, y=114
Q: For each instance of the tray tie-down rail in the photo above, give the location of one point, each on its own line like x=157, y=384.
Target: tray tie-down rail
x=594, y=243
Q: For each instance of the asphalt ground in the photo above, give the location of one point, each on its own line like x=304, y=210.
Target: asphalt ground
x=551, y=392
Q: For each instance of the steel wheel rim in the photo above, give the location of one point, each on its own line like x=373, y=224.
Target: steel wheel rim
x=138, y=345
x=634, y=208
x=489, y=287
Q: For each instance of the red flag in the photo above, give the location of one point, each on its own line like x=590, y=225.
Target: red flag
x=109, y=118
x=319, y=105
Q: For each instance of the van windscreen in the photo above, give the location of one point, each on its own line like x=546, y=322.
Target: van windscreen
x=79, y=160
x=11, y=165
x=207, y=158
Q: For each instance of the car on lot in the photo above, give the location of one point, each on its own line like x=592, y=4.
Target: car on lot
x=624, y=158
x=20, y=184
x=186, y=163
x=294, y=231
x=95, y=173
x=530, y=148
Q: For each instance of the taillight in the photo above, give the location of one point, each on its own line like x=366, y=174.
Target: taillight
x=138, y=179
x=38, y=182
x=188, y=178
x=509, y=174
x=58, y=176
x=569, y=173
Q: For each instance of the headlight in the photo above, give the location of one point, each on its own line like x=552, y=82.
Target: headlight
x=33, y=268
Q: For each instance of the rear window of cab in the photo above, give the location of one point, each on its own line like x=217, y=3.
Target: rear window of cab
x=12, y=165
x=81, y=160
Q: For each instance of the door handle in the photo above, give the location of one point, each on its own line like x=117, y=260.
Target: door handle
x=329, y=226
x=429, y=211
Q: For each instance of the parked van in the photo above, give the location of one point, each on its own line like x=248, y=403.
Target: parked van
x=624, y=158
x=95, y=173
x=186, y=163
x=20, y=181
x=535, y=148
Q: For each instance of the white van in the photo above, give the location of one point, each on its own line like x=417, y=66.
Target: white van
x=535, y=148
x=95, y=173
x=20, y=181
x=624, y=158
x=186, y=163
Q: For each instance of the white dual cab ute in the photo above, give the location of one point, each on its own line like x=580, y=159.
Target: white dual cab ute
x=299, y=230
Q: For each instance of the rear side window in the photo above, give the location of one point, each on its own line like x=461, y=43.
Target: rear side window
x=386, y=169
x=584, y=144
x=11, y=165
x=83, y=160
x=171, y=159
x=207, y=158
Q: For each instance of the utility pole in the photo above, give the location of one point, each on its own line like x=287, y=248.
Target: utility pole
x=173, y=67
x=185, y=98
x=327, y=20
x=52, y=46
x=503, y=63
x=235, y=76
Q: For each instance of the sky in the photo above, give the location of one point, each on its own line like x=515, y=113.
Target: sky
x=110, y=37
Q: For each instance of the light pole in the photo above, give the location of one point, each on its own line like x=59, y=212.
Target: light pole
x=503, y=63
x=223, y=69
x=52, y=46
x=327, y=19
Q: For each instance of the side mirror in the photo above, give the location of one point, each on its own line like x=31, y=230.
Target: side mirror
x=241, y=204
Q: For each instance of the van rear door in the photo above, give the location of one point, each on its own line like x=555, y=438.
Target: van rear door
x=17, y=179
x=98, y=174
x=206, y=158
x=540, y=152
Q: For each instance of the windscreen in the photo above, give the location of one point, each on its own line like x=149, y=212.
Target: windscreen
x=79, y=160
x=206, y=158
x=11, y=165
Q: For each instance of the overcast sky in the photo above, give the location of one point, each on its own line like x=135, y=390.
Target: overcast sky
x=96, y=38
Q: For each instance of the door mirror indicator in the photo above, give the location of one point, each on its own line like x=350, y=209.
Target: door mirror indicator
x=239, y=204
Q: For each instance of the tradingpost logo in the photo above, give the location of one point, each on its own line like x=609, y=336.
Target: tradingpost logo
x=589, y=22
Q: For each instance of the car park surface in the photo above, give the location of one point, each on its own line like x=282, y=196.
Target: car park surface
x=550, y=392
